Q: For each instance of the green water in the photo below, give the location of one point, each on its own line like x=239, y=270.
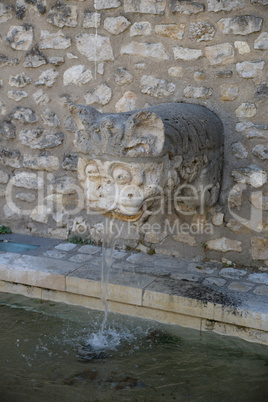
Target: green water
x=44, y=358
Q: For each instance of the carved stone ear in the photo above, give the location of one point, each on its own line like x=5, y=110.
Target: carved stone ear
x=84, y=116
x=144, y=135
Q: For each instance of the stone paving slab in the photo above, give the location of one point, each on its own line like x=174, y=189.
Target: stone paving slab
x=206, y=296
x=126, y=288
x=35, y=271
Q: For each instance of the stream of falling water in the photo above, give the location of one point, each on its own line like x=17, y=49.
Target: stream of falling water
x=110, y=235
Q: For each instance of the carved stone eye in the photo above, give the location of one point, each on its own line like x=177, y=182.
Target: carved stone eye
x=92, y=172
x=121, y=175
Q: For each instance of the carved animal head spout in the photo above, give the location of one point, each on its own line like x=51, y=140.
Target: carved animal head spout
x=129, y=162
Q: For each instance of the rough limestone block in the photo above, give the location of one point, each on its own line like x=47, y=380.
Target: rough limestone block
x=24, y=114
x=229, y=92
x=106, y=4
x=217, y=219
x=262, y=91
x=4, y=177
x=59, y=60
x=252, y=175
x=91, y=20
x=172, y=31
x=7, y=129
x=156, y=87
x=53, y=40
x=6, y=61
x=77, y=75
x=186, y=7
x=251, y=130
x=185, y=238
x=240, y=25
x=34, y=58
x=239, y=150
x=20, y=37
x=127, y=102
x=3, y=109
x=10, y=157
x=26, y=197
x=50, y=118
x=47, y=78
x=224, y=74
x=220, y=54
x=201, y=31
x=259, y=249
x=262, y=2
x=235, y=196
x=259, y=202
x=41, y=162
x=261, y=42
x=237, y=227
x=242, y=47
x=64, y=185
x=41, y=98
x=184, y=53
x=224, y=245
x=246, y=110
x=94, y=47
x=62, y=15
x=225, y=5
x=116, y=25
x=101, y=94
x=152, y=50
x=145, y=6
x=250, y=69
x=140, y=28
x=199, y=76
x=38, y=138
x=261, y=151
x=70, y=162
x=17, y=95
x=197, y=92
x=176, y=72
x=5, y=12
x=123, y=76
x=31, y=181
x=19, y=80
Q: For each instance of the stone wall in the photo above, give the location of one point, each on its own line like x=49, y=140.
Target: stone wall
x=119, y=55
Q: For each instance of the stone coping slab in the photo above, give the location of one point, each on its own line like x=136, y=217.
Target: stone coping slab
x=205, y=296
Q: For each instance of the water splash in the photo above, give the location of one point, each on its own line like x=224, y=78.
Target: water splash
x=110, y=235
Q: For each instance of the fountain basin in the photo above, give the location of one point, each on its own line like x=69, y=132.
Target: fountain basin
x=155, y=287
